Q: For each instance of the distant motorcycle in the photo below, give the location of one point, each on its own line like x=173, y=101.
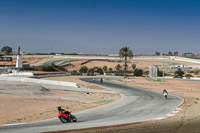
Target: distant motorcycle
x=165, y=93
x=165, y=96
x=66, y=116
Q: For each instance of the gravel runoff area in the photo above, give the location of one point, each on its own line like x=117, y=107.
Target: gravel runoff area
x=186, y=121
x=28, y=102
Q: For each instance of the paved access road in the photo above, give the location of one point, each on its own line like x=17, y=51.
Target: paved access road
x=134, y=106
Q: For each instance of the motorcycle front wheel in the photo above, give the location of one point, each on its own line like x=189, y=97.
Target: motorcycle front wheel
x=74, y=119
x=63, y=119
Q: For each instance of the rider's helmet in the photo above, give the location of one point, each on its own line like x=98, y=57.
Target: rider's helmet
x=59, y=108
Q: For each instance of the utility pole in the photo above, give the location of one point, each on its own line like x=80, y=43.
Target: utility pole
x=163, y=71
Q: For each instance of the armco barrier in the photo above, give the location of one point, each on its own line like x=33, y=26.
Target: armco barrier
x=52, y=75
x=38, y=81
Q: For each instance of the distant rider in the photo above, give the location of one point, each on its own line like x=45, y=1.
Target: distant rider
x=165, y=93
x=101, y=80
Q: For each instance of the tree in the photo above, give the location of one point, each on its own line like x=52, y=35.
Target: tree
x=110, y=69
x=138, y=72
x=170, y=53
x=96, y=69
x=125, y=52
x=83, y=69
x=74, y=71
x=196, y=72
x=188, y=75
x=176, y=53
x=6, y=50
x=179, y=73
x=157, y=53
x=105, y=68
x=133, y=66
x=118, y=67
x=189, y=54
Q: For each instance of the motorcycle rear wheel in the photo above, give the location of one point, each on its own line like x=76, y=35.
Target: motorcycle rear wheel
x=63, y=119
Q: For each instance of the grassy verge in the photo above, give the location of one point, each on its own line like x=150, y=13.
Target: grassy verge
x=150, y=79
x=104, y=101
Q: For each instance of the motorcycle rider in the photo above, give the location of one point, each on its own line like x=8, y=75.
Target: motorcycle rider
x=62, y=110
x=65, y=116
x=101, y=80
x=165, y=93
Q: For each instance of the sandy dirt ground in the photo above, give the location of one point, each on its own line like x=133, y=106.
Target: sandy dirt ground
x=33, y=102
x=186, y=121
x=24, y=61
x=144, y=64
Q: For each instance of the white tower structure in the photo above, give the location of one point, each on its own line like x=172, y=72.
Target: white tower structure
x=19, y=60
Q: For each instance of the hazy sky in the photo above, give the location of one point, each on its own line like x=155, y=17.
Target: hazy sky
x=100, y=26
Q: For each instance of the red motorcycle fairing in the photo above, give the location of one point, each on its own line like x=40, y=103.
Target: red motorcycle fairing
x=63, y=115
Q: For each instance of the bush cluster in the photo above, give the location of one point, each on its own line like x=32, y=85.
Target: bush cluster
x=138, y=72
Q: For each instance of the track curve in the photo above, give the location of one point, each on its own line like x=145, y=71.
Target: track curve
x=135, y=105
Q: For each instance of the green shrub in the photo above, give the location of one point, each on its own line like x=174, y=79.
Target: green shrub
x=110, y=70
x=105, y=68
x=96, y=69
x=138, y=72
x=160, y=73
x=188, y=75
x=179, y=73
x=196, y=72
x=83, y=69
x=133, y=66
x=48, y=68
x=74, y=71
x=118, y=67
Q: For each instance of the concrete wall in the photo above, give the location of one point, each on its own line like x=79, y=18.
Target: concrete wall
x=41, y=81
x=192, y=78
x=30, y=74
x=112, y=74
x=185, y=59
x=107, y=57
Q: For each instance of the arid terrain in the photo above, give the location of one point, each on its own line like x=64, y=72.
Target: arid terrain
x=44, y=101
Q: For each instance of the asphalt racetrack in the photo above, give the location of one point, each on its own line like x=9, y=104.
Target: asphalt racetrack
x=136, y=105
